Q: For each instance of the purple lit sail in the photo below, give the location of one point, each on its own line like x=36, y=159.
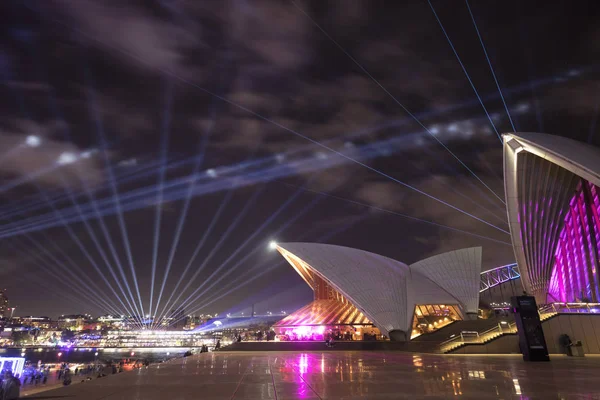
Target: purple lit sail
x=574, y=277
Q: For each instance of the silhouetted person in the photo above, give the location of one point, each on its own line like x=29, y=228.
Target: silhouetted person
x=11, y=387
x=67, y=377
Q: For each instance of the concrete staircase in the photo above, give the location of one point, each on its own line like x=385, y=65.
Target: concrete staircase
x=483, y=337
x=454, y=329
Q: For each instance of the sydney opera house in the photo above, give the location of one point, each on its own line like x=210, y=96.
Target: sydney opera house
x=552, y=187
x=360, y=293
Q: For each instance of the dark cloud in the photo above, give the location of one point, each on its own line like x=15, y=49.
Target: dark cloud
x=74, y=73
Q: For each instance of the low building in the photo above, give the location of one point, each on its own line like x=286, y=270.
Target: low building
x=37, y=322
x=5, y=310
x=74, y=322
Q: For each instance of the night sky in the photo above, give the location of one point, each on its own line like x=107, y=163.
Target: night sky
x=278, y=120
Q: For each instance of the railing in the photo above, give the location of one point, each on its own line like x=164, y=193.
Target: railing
x=583, y=308
x=481, y=337
x=546, y=311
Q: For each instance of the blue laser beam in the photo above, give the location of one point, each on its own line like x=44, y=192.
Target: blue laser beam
x=44, y=266
x=464, y=69
x=131, y=309
x=90, y=231
x=530, y=67
x=291, y=168
x=239, y=248
x=66, y=270
x=398, y=214
x=413, y=116
x=252, y=275
x=256, y=232
x=83, y=249
x=231, y=228
x=208, y=232
x=490, y=64
x=188, y=197
x=161, y=181
x=396, y=123
x=115, y=193
x=239, y=106
x=34, y=142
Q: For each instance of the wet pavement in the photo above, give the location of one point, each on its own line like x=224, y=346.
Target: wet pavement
x=346, y=375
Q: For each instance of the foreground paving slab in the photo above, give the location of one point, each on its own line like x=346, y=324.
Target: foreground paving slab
x=345, y=375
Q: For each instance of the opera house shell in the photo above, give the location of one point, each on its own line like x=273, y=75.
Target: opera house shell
x=552, y=186
x=357, y=288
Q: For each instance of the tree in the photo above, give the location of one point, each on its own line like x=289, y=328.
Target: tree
x=19, y=337
x=34, y=332
x=67, y=335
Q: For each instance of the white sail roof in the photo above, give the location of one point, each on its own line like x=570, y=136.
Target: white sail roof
x=457, y=272
x=541, y=173
x=385, y=290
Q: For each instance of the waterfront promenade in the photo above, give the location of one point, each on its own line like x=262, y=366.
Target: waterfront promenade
x=345, y=375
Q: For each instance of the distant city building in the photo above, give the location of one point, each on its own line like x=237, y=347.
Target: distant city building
x=178, y=318
x=4, y=308
x=193, y=321
x=37, y=322
x=111, y=321
x=74, y=322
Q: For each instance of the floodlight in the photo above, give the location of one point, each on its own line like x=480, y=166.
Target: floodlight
x=67, y=158
x=33, y=141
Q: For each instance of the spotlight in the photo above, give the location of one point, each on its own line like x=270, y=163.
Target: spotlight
x=67, y=158
x=211, y=173
x=33, y=141
x=272, y=245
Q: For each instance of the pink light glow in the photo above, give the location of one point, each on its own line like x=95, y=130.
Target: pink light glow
x=303, y=364
x=574, y=277
x=306, y=333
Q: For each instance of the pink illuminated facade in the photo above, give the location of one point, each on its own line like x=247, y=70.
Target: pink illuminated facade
x=575, y=274
x=552, y=186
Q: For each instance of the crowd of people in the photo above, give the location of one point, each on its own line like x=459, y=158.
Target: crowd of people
x=330, y=335
x=33, y=375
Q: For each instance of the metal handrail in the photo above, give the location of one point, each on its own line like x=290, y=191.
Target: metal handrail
x=481, y=337
x=450, y=340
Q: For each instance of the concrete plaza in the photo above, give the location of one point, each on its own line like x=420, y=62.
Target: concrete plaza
x=345, y=375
